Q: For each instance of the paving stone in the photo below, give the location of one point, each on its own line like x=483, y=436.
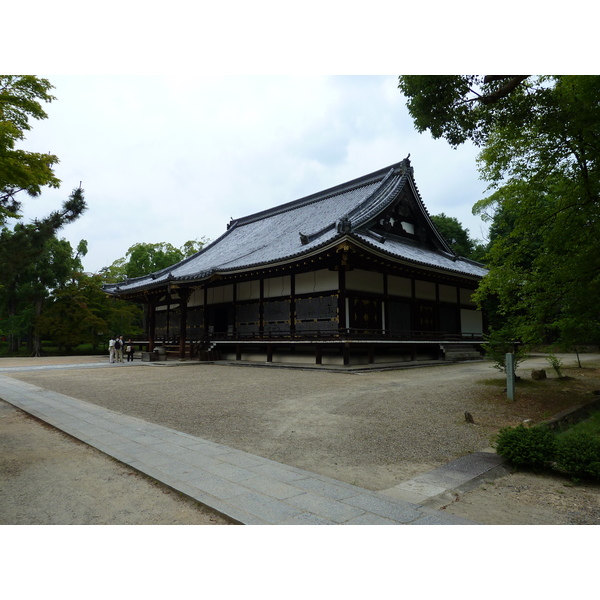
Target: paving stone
x=370, y=519
x=272, y=487
x=178, y=438
x=229, y=471
x=442, y=520
x=307, y=519
x=403, y=495
x=325, y=507
x=404, y=513
x=168, y=448
x=442, y=479
x=475, y=463
x=280, y=472
x=325, y=488
x=217, y=486
x=209, y=448
x=200, y=460
x=144, y=438
x=181, y=471
x=267, y=508
x=153, y=458
x=241, y=459
x=420, y=487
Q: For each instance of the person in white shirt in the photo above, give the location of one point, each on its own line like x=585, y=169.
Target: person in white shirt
x=111, y=349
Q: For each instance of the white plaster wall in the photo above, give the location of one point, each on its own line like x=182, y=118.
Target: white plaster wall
x=248, y=290
x=399, y=286
x=424, y=290
x=275, y=287
x=448, y=293
x=465, y=296
x=364, y=281
x=196, y=298
x=471, y=321
x=219, y=295
x=317, y=281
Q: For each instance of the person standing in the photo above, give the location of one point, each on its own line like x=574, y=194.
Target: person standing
x=130, y=349
x=119, y=348
x=111, y=349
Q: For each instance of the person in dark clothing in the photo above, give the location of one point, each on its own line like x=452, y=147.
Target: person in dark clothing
x=129, y=347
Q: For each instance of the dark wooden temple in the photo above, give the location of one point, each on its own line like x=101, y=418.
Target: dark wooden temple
x=354, y=274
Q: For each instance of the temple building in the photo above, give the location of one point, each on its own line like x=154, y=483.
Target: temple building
x=355, y=274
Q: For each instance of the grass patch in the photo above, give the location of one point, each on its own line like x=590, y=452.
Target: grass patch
x=591, y=426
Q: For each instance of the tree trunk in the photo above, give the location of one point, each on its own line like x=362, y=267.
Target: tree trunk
x=13, y=338
x=37, y=342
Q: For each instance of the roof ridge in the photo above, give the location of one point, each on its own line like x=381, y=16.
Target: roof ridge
x=331, y=192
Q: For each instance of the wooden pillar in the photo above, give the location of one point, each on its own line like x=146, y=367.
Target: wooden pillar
x=318, y=354
x=342, y=300
x=234, y=310
x=346, y=354
x=261, y=308
x=292, y=304
x=184, y=296
x=205, y=313
x=269, y=353
x=151, y=325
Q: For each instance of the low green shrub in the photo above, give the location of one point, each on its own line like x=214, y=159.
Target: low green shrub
x=578, y=454
x=574, y=452
x=526, y=446
x=556, y=363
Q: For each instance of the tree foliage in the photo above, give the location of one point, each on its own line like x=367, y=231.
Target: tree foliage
x=144, y=258
x=457, y=107
x=20, y=170
x=540, y=150
x=79, y=312
x=455, y=234
x=33, y=261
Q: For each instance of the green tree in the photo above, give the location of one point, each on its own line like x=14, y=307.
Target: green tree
x=52, y=269
x=79, y=312
x=27, y=267
x=540, y=149
x=466, y=107
x=191, y=247
x=456, y=235
x=20, y=170
x=144, y=258
x=24, y=271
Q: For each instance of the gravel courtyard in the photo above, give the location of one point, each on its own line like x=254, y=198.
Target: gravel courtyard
x=371, y=429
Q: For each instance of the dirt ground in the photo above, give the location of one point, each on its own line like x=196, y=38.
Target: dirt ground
x=48, y=478
x=371, y=429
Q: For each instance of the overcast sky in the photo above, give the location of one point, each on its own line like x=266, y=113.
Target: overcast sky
x=171, y=159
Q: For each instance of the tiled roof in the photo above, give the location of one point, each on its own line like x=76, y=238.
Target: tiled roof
x=300, y=227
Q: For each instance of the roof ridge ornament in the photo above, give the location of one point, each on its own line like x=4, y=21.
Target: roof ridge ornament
x=405, y=166
x=344, y=225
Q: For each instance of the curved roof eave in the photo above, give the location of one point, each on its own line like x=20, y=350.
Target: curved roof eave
x=366, y=244
x=202, y=277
